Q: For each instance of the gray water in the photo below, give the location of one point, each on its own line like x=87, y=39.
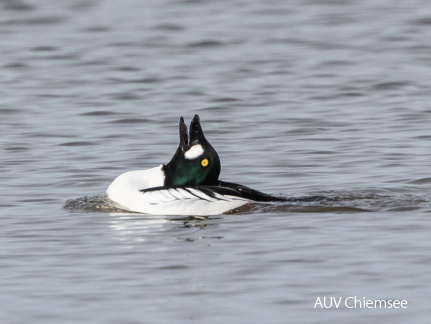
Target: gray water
x=299, y=98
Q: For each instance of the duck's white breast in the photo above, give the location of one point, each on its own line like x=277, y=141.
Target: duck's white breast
x=124, y=190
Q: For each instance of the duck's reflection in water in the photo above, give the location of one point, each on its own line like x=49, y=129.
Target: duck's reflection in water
x=133, y=228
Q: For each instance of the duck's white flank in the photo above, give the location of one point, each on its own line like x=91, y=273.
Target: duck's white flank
x=188, y=201
x=125, y=191
x=194, y=152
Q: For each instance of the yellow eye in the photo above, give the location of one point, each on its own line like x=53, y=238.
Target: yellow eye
x=204, y=162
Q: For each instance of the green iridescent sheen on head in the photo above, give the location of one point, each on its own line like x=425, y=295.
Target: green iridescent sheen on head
x=189, y=170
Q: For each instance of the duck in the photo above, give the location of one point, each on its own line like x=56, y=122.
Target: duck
x=188, y=185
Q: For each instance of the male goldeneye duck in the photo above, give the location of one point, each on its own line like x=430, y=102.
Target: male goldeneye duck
x=187, y=185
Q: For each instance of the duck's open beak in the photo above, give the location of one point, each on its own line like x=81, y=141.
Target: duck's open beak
x=196, y=134
x=184, y=140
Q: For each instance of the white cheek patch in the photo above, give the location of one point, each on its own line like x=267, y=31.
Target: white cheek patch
x=194, y=152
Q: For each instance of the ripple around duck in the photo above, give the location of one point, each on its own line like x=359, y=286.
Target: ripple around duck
x=326, y=202
x=390, y=85
x=127, y=121
x=16, y=66
x=146, y=80
x=78, y=143
x=422, y=21
x=168, y=27
x=35, y=21
x=100, y=203
x=17, y=6
x=99, y=113
x=9, y=111
x=205, y=44
x=421, y=181
x=44, y=49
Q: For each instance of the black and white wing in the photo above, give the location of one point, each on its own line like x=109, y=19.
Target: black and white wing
x=198, y=200
x=225, y=191
x=234, y=189
x=161, y=195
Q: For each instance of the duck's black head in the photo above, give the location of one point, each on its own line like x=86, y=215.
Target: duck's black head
x=195, y=162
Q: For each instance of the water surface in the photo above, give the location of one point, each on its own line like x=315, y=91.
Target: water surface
x=299, y=98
